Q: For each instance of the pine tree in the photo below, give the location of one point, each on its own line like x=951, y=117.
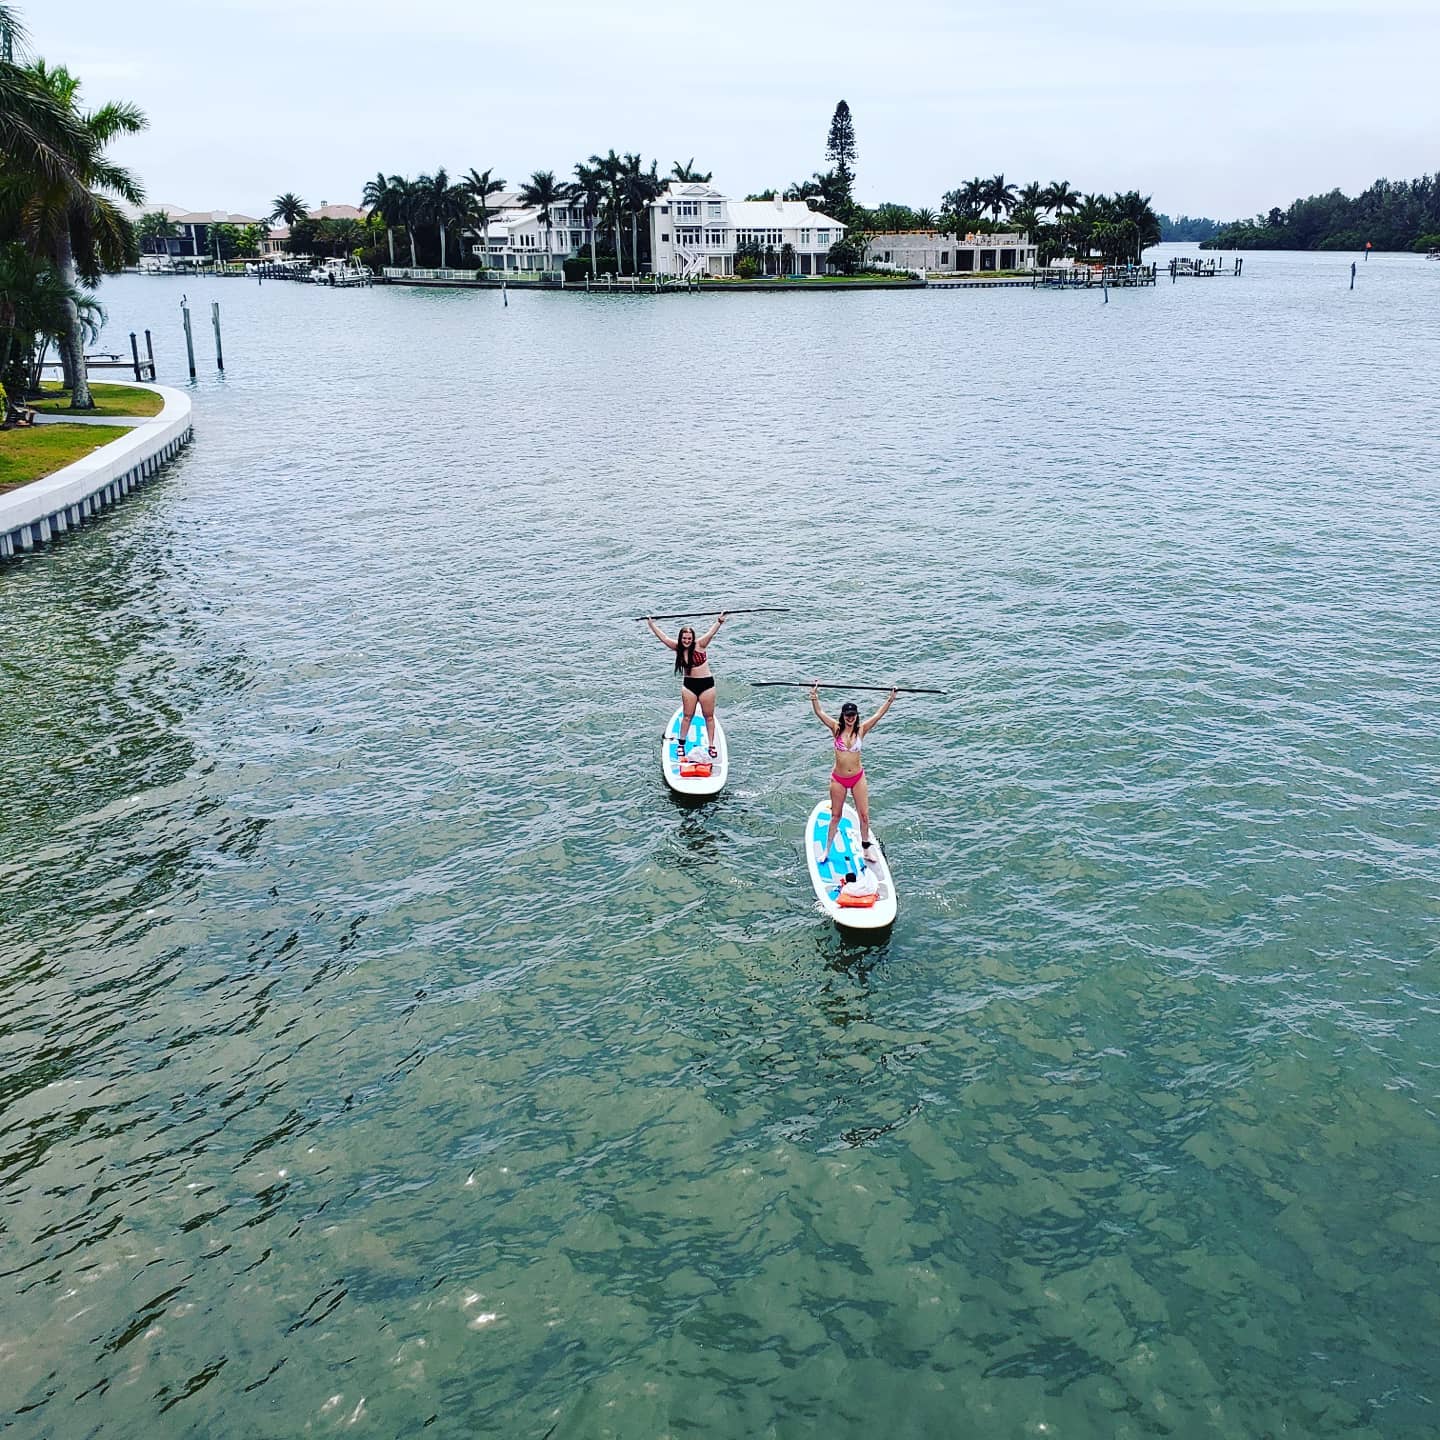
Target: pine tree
x=840, y=146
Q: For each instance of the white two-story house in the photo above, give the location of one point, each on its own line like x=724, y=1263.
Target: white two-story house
x=516, y=237
x=695, y=231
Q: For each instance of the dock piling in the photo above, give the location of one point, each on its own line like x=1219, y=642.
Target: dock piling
x=150, y=355
x=215, y=319
x=189, y=338
x=135, y=354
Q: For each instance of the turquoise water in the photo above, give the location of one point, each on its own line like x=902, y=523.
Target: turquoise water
x=384, y=1048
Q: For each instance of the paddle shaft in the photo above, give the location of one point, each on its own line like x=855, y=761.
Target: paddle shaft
x=836, y=685
x=700, y=614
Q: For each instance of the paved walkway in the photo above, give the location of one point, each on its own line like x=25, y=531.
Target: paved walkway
x=43, y=418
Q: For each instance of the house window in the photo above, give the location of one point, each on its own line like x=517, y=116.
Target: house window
x=664, y=209
x=688, y=210
x=944, y=258
x=664, y=237
x=713, y=210
x=715, y=239
x=805, y=237
x=688, y=236
x=823, y=236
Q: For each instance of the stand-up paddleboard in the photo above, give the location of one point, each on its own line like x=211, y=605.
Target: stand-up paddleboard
x=844, y=856
x=696, y=773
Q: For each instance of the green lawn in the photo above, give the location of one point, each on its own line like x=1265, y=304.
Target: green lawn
x=33, y=452
x=109, y=400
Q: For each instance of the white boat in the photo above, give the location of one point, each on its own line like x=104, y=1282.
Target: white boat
x=340, y=272
x=693, y=772
x=845, y=856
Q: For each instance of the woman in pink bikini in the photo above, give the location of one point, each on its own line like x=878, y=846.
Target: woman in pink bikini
x=697, y=683
x=849, y=733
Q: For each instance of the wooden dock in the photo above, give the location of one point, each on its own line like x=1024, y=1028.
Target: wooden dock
x=1184, y=266
x=1095, y=277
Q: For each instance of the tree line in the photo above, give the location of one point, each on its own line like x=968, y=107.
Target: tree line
x=61, y=223
x=1388, y=215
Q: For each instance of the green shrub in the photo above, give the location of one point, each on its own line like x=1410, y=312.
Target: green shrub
x=577, y=267
x=747, y=267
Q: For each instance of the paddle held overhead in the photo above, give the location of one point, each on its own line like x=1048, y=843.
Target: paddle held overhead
x=701, y=614
x=838, y=685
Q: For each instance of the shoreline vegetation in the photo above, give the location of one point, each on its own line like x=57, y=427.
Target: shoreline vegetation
x=63, y=224
x=430, y=222
x=1394, y=215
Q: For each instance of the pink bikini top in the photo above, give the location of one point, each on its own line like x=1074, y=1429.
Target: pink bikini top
x=845, y=749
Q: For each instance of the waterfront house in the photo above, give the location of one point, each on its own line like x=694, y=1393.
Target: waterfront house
x=191, y=240
x=516, y=238
x=932, y=252
x=273, y=245
x=695, y=230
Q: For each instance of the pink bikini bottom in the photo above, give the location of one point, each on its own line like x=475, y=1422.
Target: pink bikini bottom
x=848, y=781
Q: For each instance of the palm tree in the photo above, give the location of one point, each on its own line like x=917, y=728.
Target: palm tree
x=288, y=207
x=542, y=192
x=37, y=134
x=999, y=196
x=1060, y=198
x=1032, y=196
x=34, y=301
x=610, y=168
x=638, y=188
x=1136, y=208
x=156, y=225
x=1026, y=219
x=972, y=197
x=688, y=174
x=588, y=189
x=482, y=184
x=76, y=221
x=383, y=197
x=409, y=208
x=441, y=204
x=925, y=219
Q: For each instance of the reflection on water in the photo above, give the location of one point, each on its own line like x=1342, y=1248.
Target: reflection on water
x=385, y=1049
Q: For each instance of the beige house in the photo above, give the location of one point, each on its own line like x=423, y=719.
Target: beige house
x=933, y=253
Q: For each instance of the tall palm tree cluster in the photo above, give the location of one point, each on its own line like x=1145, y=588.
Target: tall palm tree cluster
x=1056, y=217
x=431, y=216
x=61, y=222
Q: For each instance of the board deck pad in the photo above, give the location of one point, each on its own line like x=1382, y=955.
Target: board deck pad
x=698, y=753
x=845, y=855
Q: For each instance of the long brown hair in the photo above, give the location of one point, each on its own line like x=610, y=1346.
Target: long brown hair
x=849, y=711
x=684, y=652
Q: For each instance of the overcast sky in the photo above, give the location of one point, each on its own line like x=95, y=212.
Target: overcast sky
x=1219, y=107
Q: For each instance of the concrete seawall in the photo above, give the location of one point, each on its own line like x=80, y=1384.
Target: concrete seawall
x=34, y=514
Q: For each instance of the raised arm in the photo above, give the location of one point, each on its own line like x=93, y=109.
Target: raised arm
x=703, y=643
x=659, y=634
x=874, y=720
x=828, y=721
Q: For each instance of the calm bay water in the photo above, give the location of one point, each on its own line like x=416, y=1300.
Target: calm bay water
x=383, y=1047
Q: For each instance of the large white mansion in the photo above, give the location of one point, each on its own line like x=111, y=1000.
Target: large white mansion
x=694, y=231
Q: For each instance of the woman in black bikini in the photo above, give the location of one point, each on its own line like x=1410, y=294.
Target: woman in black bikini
x=698, y=685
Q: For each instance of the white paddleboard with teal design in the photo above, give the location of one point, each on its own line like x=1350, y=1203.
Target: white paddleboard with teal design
x=706, y=776
x=845, y=855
